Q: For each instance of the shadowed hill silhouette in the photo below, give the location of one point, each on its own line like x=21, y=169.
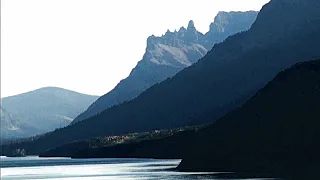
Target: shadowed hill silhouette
x=275, y=132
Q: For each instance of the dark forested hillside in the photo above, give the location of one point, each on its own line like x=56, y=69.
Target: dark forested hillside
x=100, y=146
x=285, y=32
x=276, y=131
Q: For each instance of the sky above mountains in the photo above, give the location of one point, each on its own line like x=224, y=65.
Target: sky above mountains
x=89, y=46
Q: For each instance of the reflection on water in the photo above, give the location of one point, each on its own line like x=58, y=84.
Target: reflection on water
x=28, y=168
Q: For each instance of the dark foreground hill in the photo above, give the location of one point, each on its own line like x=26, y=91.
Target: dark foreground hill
x=277, y=131
x=285, y=32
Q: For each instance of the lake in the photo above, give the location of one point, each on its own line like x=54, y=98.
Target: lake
x=27, y=168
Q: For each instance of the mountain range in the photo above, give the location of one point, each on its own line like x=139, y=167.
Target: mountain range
x=285, y=32
x=40, y=111
x=169, y=54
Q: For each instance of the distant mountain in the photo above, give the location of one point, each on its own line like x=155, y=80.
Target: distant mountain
x=286, y=32
x=169, y=54
x=276, y=131
x=41, y=110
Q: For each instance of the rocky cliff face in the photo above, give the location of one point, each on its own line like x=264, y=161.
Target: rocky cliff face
x=169, y=54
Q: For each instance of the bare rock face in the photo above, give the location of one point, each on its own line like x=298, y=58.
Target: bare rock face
x=168, y=54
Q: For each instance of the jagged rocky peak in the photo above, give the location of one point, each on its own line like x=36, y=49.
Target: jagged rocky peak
x=191, y=26
x=170, y=34
x=192, y=33
x=182, y=30
x=186, y=35
x=151, y=40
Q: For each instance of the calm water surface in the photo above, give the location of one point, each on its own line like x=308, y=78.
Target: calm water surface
x=35, y=168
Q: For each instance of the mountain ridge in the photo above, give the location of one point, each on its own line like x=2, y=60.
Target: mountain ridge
x=168, y=54
x=48, y=88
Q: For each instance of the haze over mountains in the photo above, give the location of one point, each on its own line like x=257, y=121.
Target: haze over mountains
x=169, y=54
x=40, y=111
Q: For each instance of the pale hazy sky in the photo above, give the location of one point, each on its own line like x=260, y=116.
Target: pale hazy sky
x=90, y=45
